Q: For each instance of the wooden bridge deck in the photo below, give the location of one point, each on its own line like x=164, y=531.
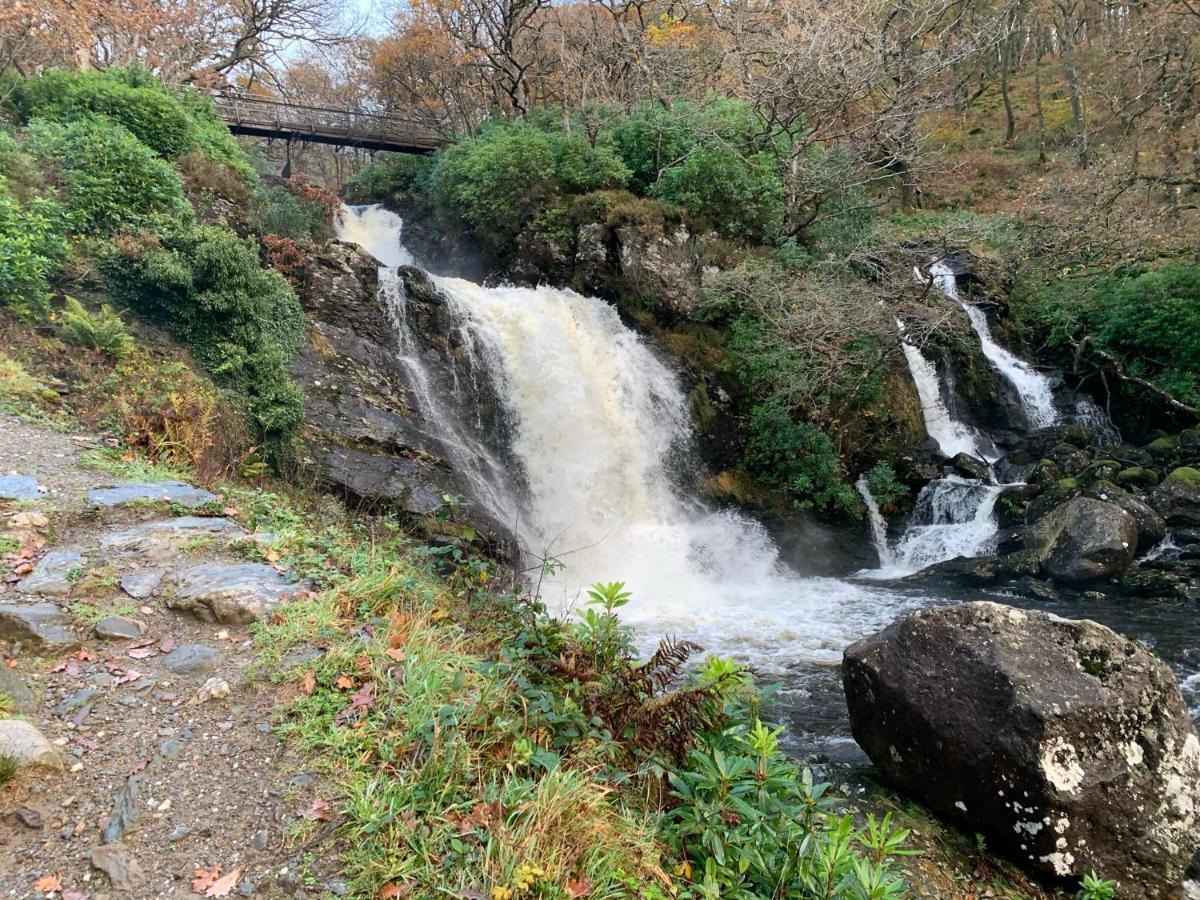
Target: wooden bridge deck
x=261, y=117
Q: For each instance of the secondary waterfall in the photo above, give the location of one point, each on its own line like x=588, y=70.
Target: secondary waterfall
x=599, y=425
x=1033, y=388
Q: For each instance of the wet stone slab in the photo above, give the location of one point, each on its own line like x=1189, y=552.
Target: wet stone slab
x=170, y=491
x=166, y=537
x=141, y=585
x=18, y=487
x=37, y=625
x=55, y=574
x=233, y=594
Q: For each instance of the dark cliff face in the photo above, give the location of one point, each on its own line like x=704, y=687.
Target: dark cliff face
x=363, y=431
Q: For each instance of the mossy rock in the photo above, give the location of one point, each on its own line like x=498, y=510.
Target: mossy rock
x=1178, y=497
x=1137, y=477
x=1187, y=476
x=1078, y=435
x=1045, y=472
x=1104, y=470
x=1070, y=459
x=1189, y=437
x=1163, y=448
x=1058, y=492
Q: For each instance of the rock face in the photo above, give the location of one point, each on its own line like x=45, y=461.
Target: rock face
x=165, y=538
x=1083, y=540
x=233, y=594
x=1069, y=746
x=363, y=430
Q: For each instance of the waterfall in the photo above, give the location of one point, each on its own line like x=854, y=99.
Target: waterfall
x=1032, y=387
x=952, y=437
x=598, y=424
x=877, y=523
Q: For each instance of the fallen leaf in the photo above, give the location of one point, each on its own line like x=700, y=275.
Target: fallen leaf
x=167, y=645
x=205, y=878
x=48, y=884
x=360, y=702
x=318, y=812
x=344, y=682
x=128, y=456
x=131, y=675
x=85, y=655
x=309, y=684
x=147, y=610
x=222, y=886
x=391, y=890
x=579, y=887
x=394, y=653
x=11, y=663
x=141, y=652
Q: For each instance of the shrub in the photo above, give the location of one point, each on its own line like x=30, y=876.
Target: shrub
x=111, y=179
x=498, y=181
x=388, y=174
x=884, y=486
x=103, y=330
x=243, y=322
x=1147, y=319
x=299, y=210
x=799, y=458
x=31, y=247
x=129, y=97
x=712, y=158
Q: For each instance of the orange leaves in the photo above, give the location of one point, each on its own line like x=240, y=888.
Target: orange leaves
x=309, y=682
x=317, y=812
x=50, y=884
x=343, y=683
x=211, y=883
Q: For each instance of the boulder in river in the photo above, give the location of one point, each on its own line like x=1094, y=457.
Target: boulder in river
x=1083, y=540
x=1065, y=743
x=1178, y=497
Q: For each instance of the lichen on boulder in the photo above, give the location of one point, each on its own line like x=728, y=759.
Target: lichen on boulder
x=1065, y=743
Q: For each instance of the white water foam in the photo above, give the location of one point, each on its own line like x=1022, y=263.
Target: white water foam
x=1032, y=387
x=597, y=421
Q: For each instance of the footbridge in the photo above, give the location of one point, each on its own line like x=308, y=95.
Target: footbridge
x=264, y=117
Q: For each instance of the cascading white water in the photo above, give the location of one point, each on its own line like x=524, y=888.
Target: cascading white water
x=1032, y=387
x=877, y=522
x=952, y=436
x=597, y=420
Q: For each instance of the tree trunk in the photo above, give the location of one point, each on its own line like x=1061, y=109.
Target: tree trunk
x=1037, y=103
x=1068, y=56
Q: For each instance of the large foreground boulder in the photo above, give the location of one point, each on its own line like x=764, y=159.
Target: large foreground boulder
x=1068, y=745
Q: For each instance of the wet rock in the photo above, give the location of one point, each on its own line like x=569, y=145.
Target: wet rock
x=55, y=574
x=1163, y=449
x=118, y=628
x=1137, y=477
x=167, y=537
x=1071, y=460
x=126, y=810
x=14, y=687
x=971, y=467
x=1041, y=442
x=1083, y=540
x=394, y=479
x=1102, y=470
x=656, y=260
x=1045, y=472
x=141, y=584
x=232, y=594
x=119, y=865
x=1150, y=525
x=21, y=742
x=1178, y=497
x=41, y=626
x=18, y=487
x=191, y=659
x=1066, y=744
x=167, y=491
x=76, y=701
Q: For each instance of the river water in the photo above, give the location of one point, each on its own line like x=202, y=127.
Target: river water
x=600, y=431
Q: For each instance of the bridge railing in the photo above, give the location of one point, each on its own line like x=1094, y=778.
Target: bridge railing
x=248, y=110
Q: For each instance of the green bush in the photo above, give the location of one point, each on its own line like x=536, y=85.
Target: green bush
x=799, y=458
x=102, y=330
x=387, y=174
x=500, y=180
x=289, y=216
x=128, y=97
x=31, y=247
x=1148, y=319
x=243, y=322
x=111, y=179
x=711, y=158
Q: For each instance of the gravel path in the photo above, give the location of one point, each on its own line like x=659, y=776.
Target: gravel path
x=158, y=762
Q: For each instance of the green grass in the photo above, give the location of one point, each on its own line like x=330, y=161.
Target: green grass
x=133, y=467
x=90, y=612
x=8, y=769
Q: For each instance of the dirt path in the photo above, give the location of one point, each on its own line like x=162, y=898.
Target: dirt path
x=146, y=756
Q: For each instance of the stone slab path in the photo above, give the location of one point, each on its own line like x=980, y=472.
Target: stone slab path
x=144, y=751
